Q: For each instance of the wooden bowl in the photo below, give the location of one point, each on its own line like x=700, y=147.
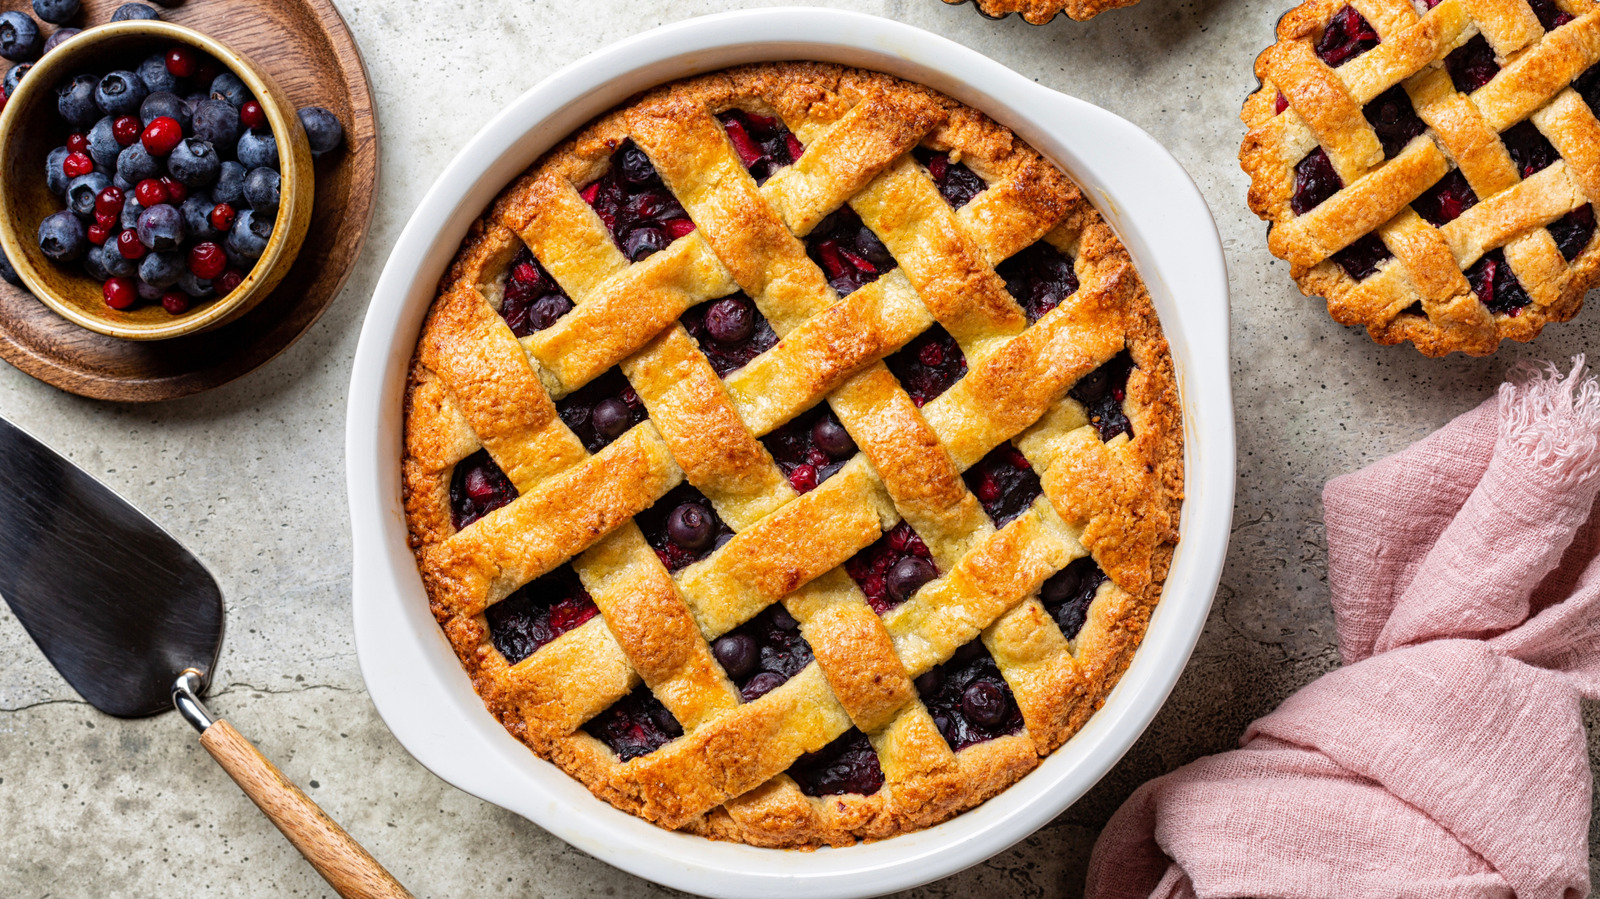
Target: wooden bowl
x=30, y=128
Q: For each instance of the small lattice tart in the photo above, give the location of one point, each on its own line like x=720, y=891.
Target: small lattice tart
x=1039, y=12
x=1430, y=167
x=793, y=456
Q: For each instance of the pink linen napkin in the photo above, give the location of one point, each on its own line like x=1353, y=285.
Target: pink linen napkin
x=1447, y=758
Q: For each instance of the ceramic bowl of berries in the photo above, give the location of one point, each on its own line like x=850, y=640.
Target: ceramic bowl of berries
x=156, y=183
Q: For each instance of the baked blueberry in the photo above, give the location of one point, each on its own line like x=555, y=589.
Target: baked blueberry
x=55, y=177
x=763, y=143
x=849, y=253
x=1102, y=391
x=56, y=12
x=61, y=36
x=538, y=613
x=969, y=701
x=194, y=163
x=928, y=365
x=153, y=72
x=581, y=410
x=780, y=652
x=168, y=104
x=83, y=191
x=689, y=546
x=323, y=130
x=161, y=227
x=477, y=487
x=638, y=724
x=103, y=146
x=1067, y=594
x=19, y=38
x=132, y=12
x=731, y=331
x=120, y=93
x=956, y=183
x=62, y=237
x=13, y=77
x=161, y=269
x=249, y=236
x=847, y=765
x=230, y=184
x=217, y=121
x=635, y=205
x=257, y=149
x=75, y=101
x=893, y=568
x=227, y=86
x=810, y=448
x=1004, y=483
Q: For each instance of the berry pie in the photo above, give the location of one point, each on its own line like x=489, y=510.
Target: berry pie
x=1038, y=12
x=1430, y=167
x=793, y=457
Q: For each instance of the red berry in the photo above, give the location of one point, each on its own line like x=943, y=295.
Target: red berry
x=109, y=201
x=176, y=192
x=106, y=218
x=150, y=192
x=129, y=246
x=175, y=302
x=181, y=62
x=77, y=164
x=222, y=216
x=126, y=130
x=99, y=234
x=206, y=72
x=162, y=135
x=252, y=115
x=207, y=260
x=228, y=282
x=2, y=99
x=119, y=292
x=78, y=143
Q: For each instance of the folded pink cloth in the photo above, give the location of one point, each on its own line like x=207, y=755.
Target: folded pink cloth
x=1447, y=758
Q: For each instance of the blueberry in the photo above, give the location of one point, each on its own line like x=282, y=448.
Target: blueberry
x=832, y=438
x=116, y=264
x=153, y=72
x=730, y=321
x=636, y=167
x=257, y=149
x=983, y=703
x=230, y=185
x=136, y=164
x=196, y=287
x=262, y=192
x=907, y=575
x=643, y=241
x=227, y=86
x=62, y=237
x=7, y=273
x=94, y=261
x=134, y=11
x=19, y=37
x=611, y=417
x=56, y=12
x=161, y=227
x=736, y=653
x=217, y=121
x=131, y=210
x=55, y=177
x=162, y=269
x=148, y=292
x=689, y=525
x=81, y=192
x=166, y=103
x=120, y=93
x=194, y=163
x=75, y=101
x=121, y=182
x=103, y=146
x=196, y=211
x=930, y=682
x=323, y=130
x=249, y=236
x=13, y=78
x=60, y=37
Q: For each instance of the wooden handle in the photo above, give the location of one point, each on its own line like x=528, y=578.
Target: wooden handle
x=338, y=858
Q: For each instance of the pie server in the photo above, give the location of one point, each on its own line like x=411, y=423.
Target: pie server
x=134, y=623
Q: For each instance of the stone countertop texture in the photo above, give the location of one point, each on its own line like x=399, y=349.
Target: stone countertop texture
x=250, y=476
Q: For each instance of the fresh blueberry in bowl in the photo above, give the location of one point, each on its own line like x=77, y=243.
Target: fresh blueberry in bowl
x=153, y=72
x=194, y=163
x=227, y=86
x=83, y=190
x=117, y=265
x=217, y=121
x=61, y=36
x=120, y=93
x=132, y=12
x=136, y=164
x=7, y=273
x=257, y=149
x=161, y=227
x=56, y=12
x=249, y=236
x=262, y=190
x=168, y=104
x=161, y=269
x=196, y=287
x=323, y=130
x=19, y=38
x=13, y=77
x=94, y=261
x=55, y=177
x=131, y=210
x=196, y=209
x=103, y=146
x=75, y=101
x=230, y=184
x=62, y=237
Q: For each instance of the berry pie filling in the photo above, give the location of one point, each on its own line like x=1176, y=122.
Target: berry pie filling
x=1347, y=36
x=731, y=332
x=847, y=765
x=1471, y=65
x=641, y=214
x=847, y=251
x=1588, y=87
x=538, y=613
x=682, y=527
x=637, y=724
x=1572, y=231
x=602, y=410
x=969, y=701
x=957, y=183
x=1496, y=285
x=811, y=447
x=928, y=365
x=1445, y=200
x=763, y=653
x=893, y=568
x=1102, y=391
x=1066, y=594
x=1038, y=278
x=1314, y=181
x=533, y=300
x=1394, y=119
x=763, y=143
x=1004, y=483
x=1530, y=150
x=1550, y=15
x=1361, y=259
x=477, y=487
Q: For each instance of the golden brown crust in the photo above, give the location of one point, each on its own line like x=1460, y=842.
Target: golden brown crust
x=1421, y=293
x=1039, y=12
x=474, y=385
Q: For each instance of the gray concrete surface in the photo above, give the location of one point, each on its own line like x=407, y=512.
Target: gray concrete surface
x=251, y=477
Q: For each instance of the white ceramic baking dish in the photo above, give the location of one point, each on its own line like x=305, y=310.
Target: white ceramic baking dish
x=414, y=678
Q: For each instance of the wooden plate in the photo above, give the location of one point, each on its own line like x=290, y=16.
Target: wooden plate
x=310, y=52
